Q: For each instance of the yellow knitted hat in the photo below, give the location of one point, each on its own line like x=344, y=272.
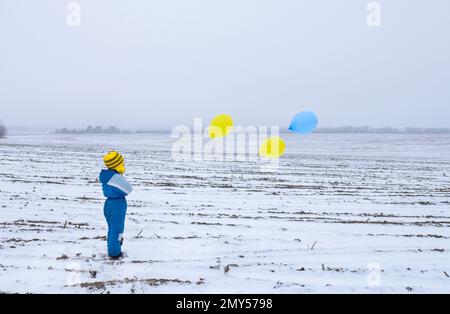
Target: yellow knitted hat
x=113, y=160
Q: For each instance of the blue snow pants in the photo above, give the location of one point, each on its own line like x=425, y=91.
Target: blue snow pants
x=115, y=210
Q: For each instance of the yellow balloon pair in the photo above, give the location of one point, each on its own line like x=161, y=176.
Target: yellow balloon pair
x=221, y=126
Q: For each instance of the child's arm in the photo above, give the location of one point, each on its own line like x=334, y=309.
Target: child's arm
x=121, y=184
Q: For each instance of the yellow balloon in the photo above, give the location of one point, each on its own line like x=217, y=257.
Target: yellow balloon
x=220, y=126
x=272, y=147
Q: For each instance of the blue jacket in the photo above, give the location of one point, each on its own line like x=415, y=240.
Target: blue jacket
x=114, y=185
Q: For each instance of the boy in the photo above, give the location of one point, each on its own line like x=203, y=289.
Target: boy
x=115, y=188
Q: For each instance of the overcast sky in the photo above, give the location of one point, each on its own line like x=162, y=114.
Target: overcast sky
x=156, y=64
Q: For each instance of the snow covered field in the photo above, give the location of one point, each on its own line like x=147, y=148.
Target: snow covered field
x=344, y=213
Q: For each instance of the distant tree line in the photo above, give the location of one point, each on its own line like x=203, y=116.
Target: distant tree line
x=2, y=130
x=100, y=130
x=91, y=130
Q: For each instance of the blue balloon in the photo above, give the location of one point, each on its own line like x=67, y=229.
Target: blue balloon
x=304, y=122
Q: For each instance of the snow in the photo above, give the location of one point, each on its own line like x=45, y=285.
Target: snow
x=337, y=208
